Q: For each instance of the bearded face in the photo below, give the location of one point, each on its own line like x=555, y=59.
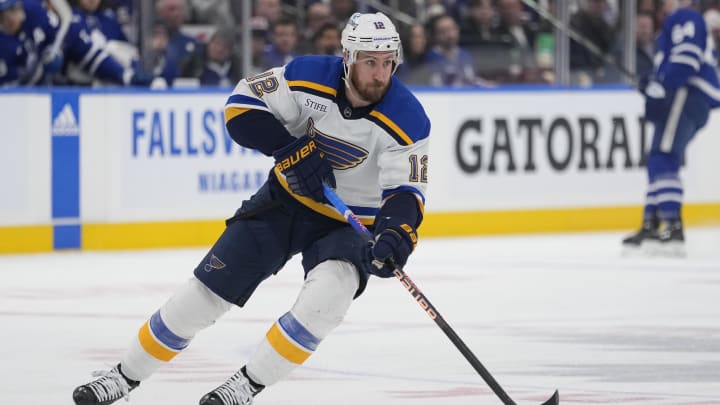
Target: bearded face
x=370, y=74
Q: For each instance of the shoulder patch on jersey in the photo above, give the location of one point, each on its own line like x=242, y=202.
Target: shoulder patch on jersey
x=401, y=115
x=317, y=75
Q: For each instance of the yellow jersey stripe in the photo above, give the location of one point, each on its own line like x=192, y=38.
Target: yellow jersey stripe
x=382, y=117
x=287, y=349
x=420, y=204
x=314, y=86
x=151, y=345
x=316, y=206
x=232, y=112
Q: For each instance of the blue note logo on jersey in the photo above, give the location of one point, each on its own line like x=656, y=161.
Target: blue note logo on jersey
x=65, y=122
x=215, y=264
x=341, y=154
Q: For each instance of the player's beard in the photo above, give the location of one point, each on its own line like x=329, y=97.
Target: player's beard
x=372, y=92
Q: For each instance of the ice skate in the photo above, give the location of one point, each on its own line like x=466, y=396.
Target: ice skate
x=645, y=240
x=237, y=390
x=671, y=239
x=107, y=389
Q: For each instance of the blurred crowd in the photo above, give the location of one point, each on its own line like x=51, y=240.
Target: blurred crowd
x=198, y=42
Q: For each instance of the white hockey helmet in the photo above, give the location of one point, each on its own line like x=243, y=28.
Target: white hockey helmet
x=370, y=33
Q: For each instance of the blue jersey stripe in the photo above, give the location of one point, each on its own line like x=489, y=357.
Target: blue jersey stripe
x=312, y=91
x=297, y=332
x=363, y=211
x=389, y=130
x=241, y=99
x=165, y=335
x=387, y=193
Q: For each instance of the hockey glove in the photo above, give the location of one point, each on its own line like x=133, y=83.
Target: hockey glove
x=52, y=62
x=305, y=168
x=656, y=102
x=394, y=241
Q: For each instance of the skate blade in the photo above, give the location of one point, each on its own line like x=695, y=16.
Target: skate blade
x=654, y=248
x=657, y=249
x=672, y=249
x=632, y=251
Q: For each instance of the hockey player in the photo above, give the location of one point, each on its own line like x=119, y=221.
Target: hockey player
x=678, y=99
x=90, y=56
x=345, y=121
x=28, y=53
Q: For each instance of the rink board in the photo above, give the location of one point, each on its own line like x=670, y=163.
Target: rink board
x=127, y=169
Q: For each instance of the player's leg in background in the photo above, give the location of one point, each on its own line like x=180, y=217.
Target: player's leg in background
x=688, y=114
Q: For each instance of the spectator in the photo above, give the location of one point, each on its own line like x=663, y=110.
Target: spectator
x=171, y=47
x=646, y=6
x=513, y=27
x=478, y=25
x=455, y=8
x=645, y=43
x=327, y=40
x=712, y=20
x=644, y=50
x=317, y=15
x=260, y=41
x=589, y=22
x=217, y=66
x=30, y=49
x=271, y=10
x=343, y=9
x=155, y=58
x=210, y=12
x=454, y=66
x=283, y=44
x=418, y=57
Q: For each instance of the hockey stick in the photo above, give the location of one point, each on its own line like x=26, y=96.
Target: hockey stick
x=429, y=308
x=584, y=42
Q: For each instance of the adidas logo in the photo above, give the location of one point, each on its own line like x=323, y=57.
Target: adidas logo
x=65, y=122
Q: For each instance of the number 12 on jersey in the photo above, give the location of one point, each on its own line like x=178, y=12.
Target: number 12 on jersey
x=418, y=168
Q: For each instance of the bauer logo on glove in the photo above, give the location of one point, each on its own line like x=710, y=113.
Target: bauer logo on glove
x=394, y=241
x=297, y=156
x=305, y=168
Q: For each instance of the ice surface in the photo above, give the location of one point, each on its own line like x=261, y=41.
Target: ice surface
x=540, y=312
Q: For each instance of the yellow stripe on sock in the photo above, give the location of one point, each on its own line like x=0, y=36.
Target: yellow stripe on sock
x=155, y=349
x=285, y=347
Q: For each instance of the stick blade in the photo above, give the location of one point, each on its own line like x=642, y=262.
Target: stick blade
x=554, y=399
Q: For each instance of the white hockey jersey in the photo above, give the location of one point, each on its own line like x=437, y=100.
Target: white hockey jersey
x=375, y=151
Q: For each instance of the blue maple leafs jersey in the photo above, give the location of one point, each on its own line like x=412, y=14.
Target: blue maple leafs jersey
x=21, y=54
x=686, y=55
x=86, y=48
x=374, y=154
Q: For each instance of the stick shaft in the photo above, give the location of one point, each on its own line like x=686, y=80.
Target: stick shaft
x=423, y=301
